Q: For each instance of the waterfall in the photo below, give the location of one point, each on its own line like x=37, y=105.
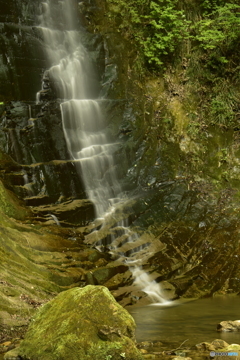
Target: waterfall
x=88, y=144
x=73, y=77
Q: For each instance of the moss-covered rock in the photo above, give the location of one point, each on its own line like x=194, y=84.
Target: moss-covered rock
x=102, y=275
x=84, y=324
x=10, y=205
x=34, y=265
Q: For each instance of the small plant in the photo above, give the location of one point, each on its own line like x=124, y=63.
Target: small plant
x=108, y=357
x=222, y=107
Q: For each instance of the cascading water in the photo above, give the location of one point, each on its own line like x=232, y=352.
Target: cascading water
x=88, y=144
x=73, y=78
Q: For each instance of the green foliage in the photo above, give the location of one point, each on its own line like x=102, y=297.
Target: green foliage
x=214, y=62
x=208, y=6
x=166, y=27
x=219, y=29
x=157, y=26
x=161, y=32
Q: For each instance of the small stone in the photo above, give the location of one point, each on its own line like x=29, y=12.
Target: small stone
x=158, y=344
x=204, y=346
x=6, y=343
x=12, y=355
x=143, y=351
x=145, y=344
x=219, y=344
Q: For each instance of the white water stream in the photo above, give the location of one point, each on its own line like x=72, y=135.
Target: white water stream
x=73, y=76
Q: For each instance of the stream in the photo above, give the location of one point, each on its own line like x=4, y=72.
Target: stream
x=193, y=320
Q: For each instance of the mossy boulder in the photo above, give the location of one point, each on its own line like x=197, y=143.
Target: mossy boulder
x=81, y=324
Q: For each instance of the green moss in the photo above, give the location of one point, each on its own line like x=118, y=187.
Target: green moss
x=181, y=120
x=70, y=324
x=10, y=205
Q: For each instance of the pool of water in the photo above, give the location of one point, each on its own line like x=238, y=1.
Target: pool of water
x=179, y=321
x=194, y=320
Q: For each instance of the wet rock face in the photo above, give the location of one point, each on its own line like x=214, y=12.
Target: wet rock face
x=31, y=132
x=32, y=135
x=68, y=213
x=86, y=323
x=22, y=57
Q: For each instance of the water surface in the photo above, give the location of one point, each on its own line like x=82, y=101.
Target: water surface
x=195, y=320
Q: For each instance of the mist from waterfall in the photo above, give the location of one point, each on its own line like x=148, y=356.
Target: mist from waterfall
x=74, y=80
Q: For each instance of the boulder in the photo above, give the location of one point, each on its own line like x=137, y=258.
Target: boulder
x=205, y=346
x=219, y=344
x=81, y=324
x=229, y=326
